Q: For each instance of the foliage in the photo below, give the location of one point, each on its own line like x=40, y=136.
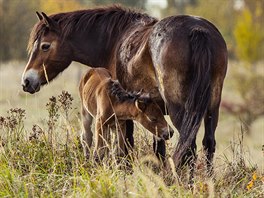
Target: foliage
x=129, y=3
x=15, y=23
x=33, y=166
x=247, y=83
x=52, y=7
x=249, y=36
x=176, y=7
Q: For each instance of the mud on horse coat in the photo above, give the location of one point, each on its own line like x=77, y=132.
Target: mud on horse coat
x=181, y=61
x=110, y=105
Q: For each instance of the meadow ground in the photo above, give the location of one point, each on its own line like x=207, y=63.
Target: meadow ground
x=40, y=154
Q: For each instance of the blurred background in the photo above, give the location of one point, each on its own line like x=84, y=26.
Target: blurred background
x=241, y=22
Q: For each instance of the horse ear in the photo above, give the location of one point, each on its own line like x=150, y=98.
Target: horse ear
x=141, y=105
x=40, y=17
x=51, y=24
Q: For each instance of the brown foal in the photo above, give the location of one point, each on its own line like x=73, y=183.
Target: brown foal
x=105, y=100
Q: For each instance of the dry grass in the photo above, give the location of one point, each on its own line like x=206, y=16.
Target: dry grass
x=39, y=159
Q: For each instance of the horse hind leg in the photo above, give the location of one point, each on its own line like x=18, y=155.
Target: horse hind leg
x=210, y=122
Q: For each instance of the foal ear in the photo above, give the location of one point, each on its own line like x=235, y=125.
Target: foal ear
x=141, y=105
x=51, y=24
x=40, y=17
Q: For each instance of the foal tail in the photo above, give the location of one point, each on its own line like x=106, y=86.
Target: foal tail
x=199, y=91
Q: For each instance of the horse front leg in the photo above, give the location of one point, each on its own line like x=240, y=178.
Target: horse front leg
x=210, y=122
x=129, y=140
x=87, y=134
x=159, y=148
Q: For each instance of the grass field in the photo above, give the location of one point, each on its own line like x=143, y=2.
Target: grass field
x=41, y=156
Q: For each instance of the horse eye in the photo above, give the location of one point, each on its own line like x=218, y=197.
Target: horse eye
x=45, y=46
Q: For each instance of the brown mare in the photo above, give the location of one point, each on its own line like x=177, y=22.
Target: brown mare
x=107, y=102
x=180, y=60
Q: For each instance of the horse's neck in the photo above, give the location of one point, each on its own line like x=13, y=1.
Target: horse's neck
x=90, y=52
x=96, y=48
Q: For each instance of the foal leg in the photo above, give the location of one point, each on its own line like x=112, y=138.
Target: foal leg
x=87, y=134
x=100, y=137
x=121, y=132
x=210, y=122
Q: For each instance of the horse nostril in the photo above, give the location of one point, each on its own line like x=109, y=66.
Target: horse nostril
x=25, y=83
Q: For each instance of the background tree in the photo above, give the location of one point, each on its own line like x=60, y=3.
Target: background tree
x=130, y=3
x=249, y=80
x=15, y=23
x=176, y=7
x=249, y=32
x=51, y=6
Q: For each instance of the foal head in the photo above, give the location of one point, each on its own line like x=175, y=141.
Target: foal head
x=49, y=55
x=151, y=117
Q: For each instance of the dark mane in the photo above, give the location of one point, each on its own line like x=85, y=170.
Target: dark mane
x=115, y=89
x=112, y=19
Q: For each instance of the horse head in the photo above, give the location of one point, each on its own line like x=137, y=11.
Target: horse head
x=49, y=54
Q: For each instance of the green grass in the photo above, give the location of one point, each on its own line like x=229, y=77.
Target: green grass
x=41, y=156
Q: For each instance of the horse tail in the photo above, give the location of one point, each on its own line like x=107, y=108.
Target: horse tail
x=199, y=90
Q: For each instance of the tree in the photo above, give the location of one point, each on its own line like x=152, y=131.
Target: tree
x=130, y=3
x=249, y=37
x=15, y=21
x=52, y=7
x=249, y=34
x=175, y=7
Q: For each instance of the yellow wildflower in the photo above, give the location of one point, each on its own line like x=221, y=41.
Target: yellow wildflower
x=250, y=184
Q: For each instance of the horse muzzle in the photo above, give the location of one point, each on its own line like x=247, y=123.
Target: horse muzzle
x=30, y=82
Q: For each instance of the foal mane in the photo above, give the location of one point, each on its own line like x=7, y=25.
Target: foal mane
x=113, y=18
x=115, y=89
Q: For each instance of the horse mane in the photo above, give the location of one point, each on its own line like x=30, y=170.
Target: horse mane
x=113, y=18
x=115, y=89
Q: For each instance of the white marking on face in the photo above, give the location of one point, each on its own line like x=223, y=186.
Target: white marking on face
x=31, y=74
x=29, y=60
